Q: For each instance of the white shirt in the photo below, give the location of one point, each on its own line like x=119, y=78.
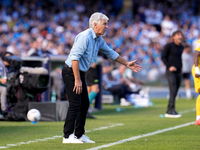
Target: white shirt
x=187, y=63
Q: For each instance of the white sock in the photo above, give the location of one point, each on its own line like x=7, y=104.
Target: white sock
x=198, y=117
x=188, y=93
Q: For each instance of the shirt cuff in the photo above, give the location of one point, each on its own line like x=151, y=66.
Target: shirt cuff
x=74, y=58
x=114, y=56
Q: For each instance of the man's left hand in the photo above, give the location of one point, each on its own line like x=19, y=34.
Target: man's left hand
x=133, y=66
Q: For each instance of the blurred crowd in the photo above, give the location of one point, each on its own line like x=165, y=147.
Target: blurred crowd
x=137, y=30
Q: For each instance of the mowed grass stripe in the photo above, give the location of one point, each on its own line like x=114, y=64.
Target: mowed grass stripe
x=57, y=136
x=141, y=136
x=136, y=121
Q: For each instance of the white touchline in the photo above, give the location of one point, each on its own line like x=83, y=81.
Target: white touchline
x=106, y=127
x=187, y=111
x=141, y=136
x=57, y=136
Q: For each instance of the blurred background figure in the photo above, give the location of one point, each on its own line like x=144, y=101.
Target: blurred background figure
x=44, y=49
x=114, y=83
x=57, y=84
x=172, y=58
x=167, y=26
x=125, y=74
x=196, y=76
x=187, y=62
x=121, y=83
x=92, y=85
x=33, y=47
x=3, y=81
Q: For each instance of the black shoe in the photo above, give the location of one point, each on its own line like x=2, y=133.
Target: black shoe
x=172, y=114
x=4, y=113
x=90, y=116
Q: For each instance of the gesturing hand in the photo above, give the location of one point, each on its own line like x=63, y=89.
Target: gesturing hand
x=172, y=68
x=78, y=86
x=3, y=81
x=197, y=75
x=133, y=66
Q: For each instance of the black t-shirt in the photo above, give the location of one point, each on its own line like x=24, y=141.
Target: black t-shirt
x=171, y=56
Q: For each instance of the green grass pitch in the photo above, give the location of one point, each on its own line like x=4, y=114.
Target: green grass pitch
x=109, y=127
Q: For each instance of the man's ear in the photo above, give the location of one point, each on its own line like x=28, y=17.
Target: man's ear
x=95, y=24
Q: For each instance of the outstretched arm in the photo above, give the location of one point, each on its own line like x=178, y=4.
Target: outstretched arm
x=132, y=64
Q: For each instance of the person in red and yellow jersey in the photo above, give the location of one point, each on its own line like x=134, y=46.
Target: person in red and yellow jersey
x=196, y=75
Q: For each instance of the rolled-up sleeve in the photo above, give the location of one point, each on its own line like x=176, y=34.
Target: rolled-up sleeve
x=79, y=47
x=104, y=48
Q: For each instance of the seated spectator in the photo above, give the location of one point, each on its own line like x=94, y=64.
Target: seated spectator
x=33, y=47
x=45, y=49
x=116, y=87
x=123, y=85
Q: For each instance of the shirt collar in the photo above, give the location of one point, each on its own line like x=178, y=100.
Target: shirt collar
x=176, y=44
x=93, y=34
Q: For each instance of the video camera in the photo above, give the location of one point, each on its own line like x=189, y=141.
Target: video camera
x=12, y=60
x=24, y=84
x=31, y=80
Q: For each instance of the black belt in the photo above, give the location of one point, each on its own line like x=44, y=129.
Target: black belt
x=65, y=65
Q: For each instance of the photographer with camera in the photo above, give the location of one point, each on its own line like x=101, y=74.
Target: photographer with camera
x=3, y=81
x=23, y=85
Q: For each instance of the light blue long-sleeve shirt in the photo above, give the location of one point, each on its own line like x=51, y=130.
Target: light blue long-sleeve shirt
x=86, y=47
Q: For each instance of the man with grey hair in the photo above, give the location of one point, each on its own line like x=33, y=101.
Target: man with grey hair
x=81, y=57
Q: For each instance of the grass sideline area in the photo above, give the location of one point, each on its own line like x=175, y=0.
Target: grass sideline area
x=112, y=127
